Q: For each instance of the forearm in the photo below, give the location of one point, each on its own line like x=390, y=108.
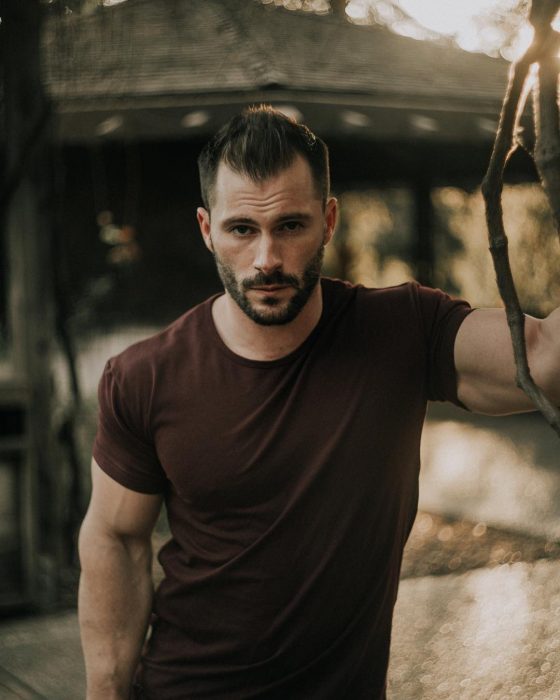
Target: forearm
x=114, y=602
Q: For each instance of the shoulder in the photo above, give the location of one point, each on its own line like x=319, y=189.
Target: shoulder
x=412, y=298
x=420, y=310
x=404, y=293
x=142, y=361
x=405, y=298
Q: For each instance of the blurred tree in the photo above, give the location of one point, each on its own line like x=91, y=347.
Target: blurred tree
x=26, y=199
x=465, y=263
x=36, y=298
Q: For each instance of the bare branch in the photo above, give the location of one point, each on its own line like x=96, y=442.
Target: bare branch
x=542, y=13
x=492, y=187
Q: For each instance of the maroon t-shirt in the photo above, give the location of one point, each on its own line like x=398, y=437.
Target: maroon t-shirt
x=291, y=486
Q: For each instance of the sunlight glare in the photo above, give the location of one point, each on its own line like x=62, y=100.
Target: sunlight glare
x=520, y=44
x=443, y=16
x=499, y=624
x=465, y=22
x=357, y=10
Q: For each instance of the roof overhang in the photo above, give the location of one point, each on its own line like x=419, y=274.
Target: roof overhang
x=366, y=117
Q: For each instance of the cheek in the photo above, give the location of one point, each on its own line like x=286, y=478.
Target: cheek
x=234, y=253
x=301, y=255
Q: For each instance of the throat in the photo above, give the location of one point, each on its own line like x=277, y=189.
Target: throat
x=254, y=341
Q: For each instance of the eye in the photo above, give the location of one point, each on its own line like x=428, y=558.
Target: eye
x=291, y=226
x=241, y=230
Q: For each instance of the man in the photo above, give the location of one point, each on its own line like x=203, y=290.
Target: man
x=281, y=423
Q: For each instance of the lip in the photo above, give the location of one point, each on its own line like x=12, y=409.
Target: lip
x=270, y=288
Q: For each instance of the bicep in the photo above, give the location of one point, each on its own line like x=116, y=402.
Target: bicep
x=485, y=364
x=118, y=511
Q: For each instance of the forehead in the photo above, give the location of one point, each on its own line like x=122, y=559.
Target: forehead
x=292, y=187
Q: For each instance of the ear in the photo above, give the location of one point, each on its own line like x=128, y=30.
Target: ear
x=331, y=215
x=203, y=218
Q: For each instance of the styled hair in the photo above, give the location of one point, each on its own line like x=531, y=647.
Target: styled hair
x=261, y=142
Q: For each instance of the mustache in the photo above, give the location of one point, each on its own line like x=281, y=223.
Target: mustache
x=276, y=277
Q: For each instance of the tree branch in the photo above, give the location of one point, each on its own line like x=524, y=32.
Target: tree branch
x=492, y=187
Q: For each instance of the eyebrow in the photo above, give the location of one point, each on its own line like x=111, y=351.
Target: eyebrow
x=247, y=220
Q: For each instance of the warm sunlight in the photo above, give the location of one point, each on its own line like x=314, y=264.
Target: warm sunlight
x=463, y=21
x=475, y=25
x=446, y=17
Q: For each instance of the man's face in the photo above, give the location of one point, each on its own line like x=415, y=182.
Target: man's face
x=268, y=240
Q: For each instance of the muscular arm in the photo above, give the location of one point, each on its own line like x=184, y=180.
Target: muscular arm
x=115, y=592
x=486, y=368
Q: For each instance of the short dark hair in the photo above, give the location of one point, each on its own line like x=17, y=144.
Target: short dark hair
x=261, y=142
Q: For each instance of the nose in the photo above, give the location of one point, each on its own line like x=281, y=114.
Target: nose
x=267, y=256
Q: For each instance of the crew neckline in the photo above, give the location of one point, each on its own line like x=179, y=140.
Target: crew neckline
x=285, y=359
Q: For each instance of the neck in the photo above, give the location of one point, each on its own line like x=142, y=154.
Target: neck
x=249, y=339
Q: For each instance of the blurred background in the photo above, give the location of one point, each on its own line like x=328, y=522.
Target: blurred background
x=105, y=107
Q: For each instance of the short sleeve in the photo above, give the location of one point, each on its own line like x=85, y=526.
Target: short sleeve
x=122, y=447
x=442, y=316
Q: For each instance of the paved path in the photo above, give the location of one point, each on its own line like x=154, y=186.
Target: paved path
x=487, y=634
x=40, y=658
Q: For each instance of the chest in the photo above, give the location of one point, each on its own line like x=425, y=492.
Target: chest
x=232, y=436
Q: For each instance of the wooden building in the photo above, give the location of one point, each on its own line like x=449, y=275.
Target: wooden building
x=140, y=86
x=137, y=88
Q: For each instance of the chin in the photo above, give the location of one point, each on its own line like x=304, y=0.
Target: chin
x=272, y=316
x=272, y=312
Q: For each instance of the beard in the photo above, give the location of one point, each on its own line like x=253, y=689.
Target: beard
x=277, y=312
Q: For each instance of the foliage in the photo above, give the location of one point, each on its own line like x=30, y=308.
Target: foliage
x=374, y=237
x=375, y=234
x=531, y=237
